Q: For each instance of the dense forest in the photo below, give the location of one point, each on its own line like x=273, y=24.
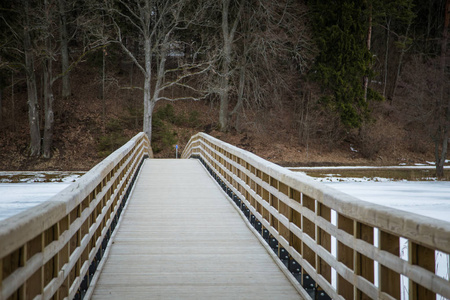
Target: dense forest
x=82, y=76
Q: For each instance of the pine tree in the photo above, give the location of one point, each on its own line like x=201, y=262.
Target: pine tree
x=340, y=28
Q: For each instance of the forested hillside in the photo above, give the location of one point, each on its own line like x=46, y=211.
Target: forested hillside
x=296, y=82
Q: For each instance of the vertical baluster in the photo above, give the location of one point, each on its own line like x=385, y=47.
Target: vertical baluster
x=425, y=258
x=324, y=240
x=309, y=228
x=34, y=284
x=297, y=220
x=389, y=280
x=364, y=265
x=345, y=255
x=64, y=255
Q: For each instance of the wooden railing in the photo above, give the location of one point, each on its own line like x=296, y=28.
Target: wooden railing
x=51, y=251
x=295, y=213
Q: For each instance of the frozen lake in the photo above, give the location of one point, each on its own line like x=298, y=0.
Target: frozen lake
x=428, y=198
x=22, y=190
x=16, y=197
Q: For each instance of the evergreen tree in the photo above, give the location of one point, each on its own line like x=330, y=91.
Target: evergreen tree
x=340, y=28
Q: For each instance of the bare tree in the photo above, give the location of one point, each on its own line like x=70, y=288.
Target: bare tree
x=52, y=50
x=33, y=109
x=32, y=46
x=262, y=48
x=17, y=44
x=158, y=24
x=228, y=36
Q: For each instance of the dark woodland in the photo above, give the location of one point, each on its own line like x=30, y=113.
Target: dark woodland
x=296, y=82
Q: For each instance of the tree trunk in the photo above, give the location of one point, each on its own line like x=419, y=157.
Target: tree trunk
x=103, y=84
x=48, y=92
x=33, y=110
x=228, y=38
x=223, y=112
x=386, y=56
x=1, y=97
x=400, y=61
x=48, y=105
x=440, y=159
x=13, y=103
x=1, y=110
x=240, y=97
x=369, y=41
x=148, y=105
x=443, y=105
x=64, y=50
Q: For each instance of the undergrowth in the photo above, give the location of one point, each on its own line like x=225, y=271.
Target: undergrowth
x=163, y=122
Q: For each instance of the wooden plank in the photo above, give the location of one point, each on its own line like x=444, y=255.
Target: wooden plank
x=181, y=238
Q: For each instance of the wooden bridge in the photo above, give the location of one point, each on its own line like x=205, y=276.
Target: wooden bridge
x=224, y=224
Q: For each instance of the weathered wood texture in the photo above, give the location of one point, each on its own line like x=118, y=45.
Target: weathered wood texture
x=296, y=211
x=180, y=238
x=46, y=251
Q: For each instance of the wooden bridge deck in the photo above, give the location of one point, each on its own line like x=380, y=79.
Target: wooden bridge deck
x=180, y=238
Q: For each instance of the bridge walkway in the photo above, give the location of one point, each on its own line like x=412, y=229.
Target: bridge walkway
x=181, y=238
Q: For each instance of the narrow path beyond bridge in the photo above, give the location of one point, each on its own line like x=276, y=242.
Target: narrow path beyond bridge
x=181, y=238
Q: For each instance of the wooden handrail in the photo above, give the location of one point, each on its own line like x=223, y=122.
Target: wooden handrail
x=51, y=251
x=297, y=212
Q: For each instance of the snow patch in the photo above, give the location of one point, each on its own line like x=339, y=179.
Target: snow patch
x=332, y=178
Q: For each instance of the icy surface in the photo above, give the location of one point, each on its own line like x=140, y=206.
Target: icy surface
x=428, y=198
x=16, y=197
x=23, y=190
